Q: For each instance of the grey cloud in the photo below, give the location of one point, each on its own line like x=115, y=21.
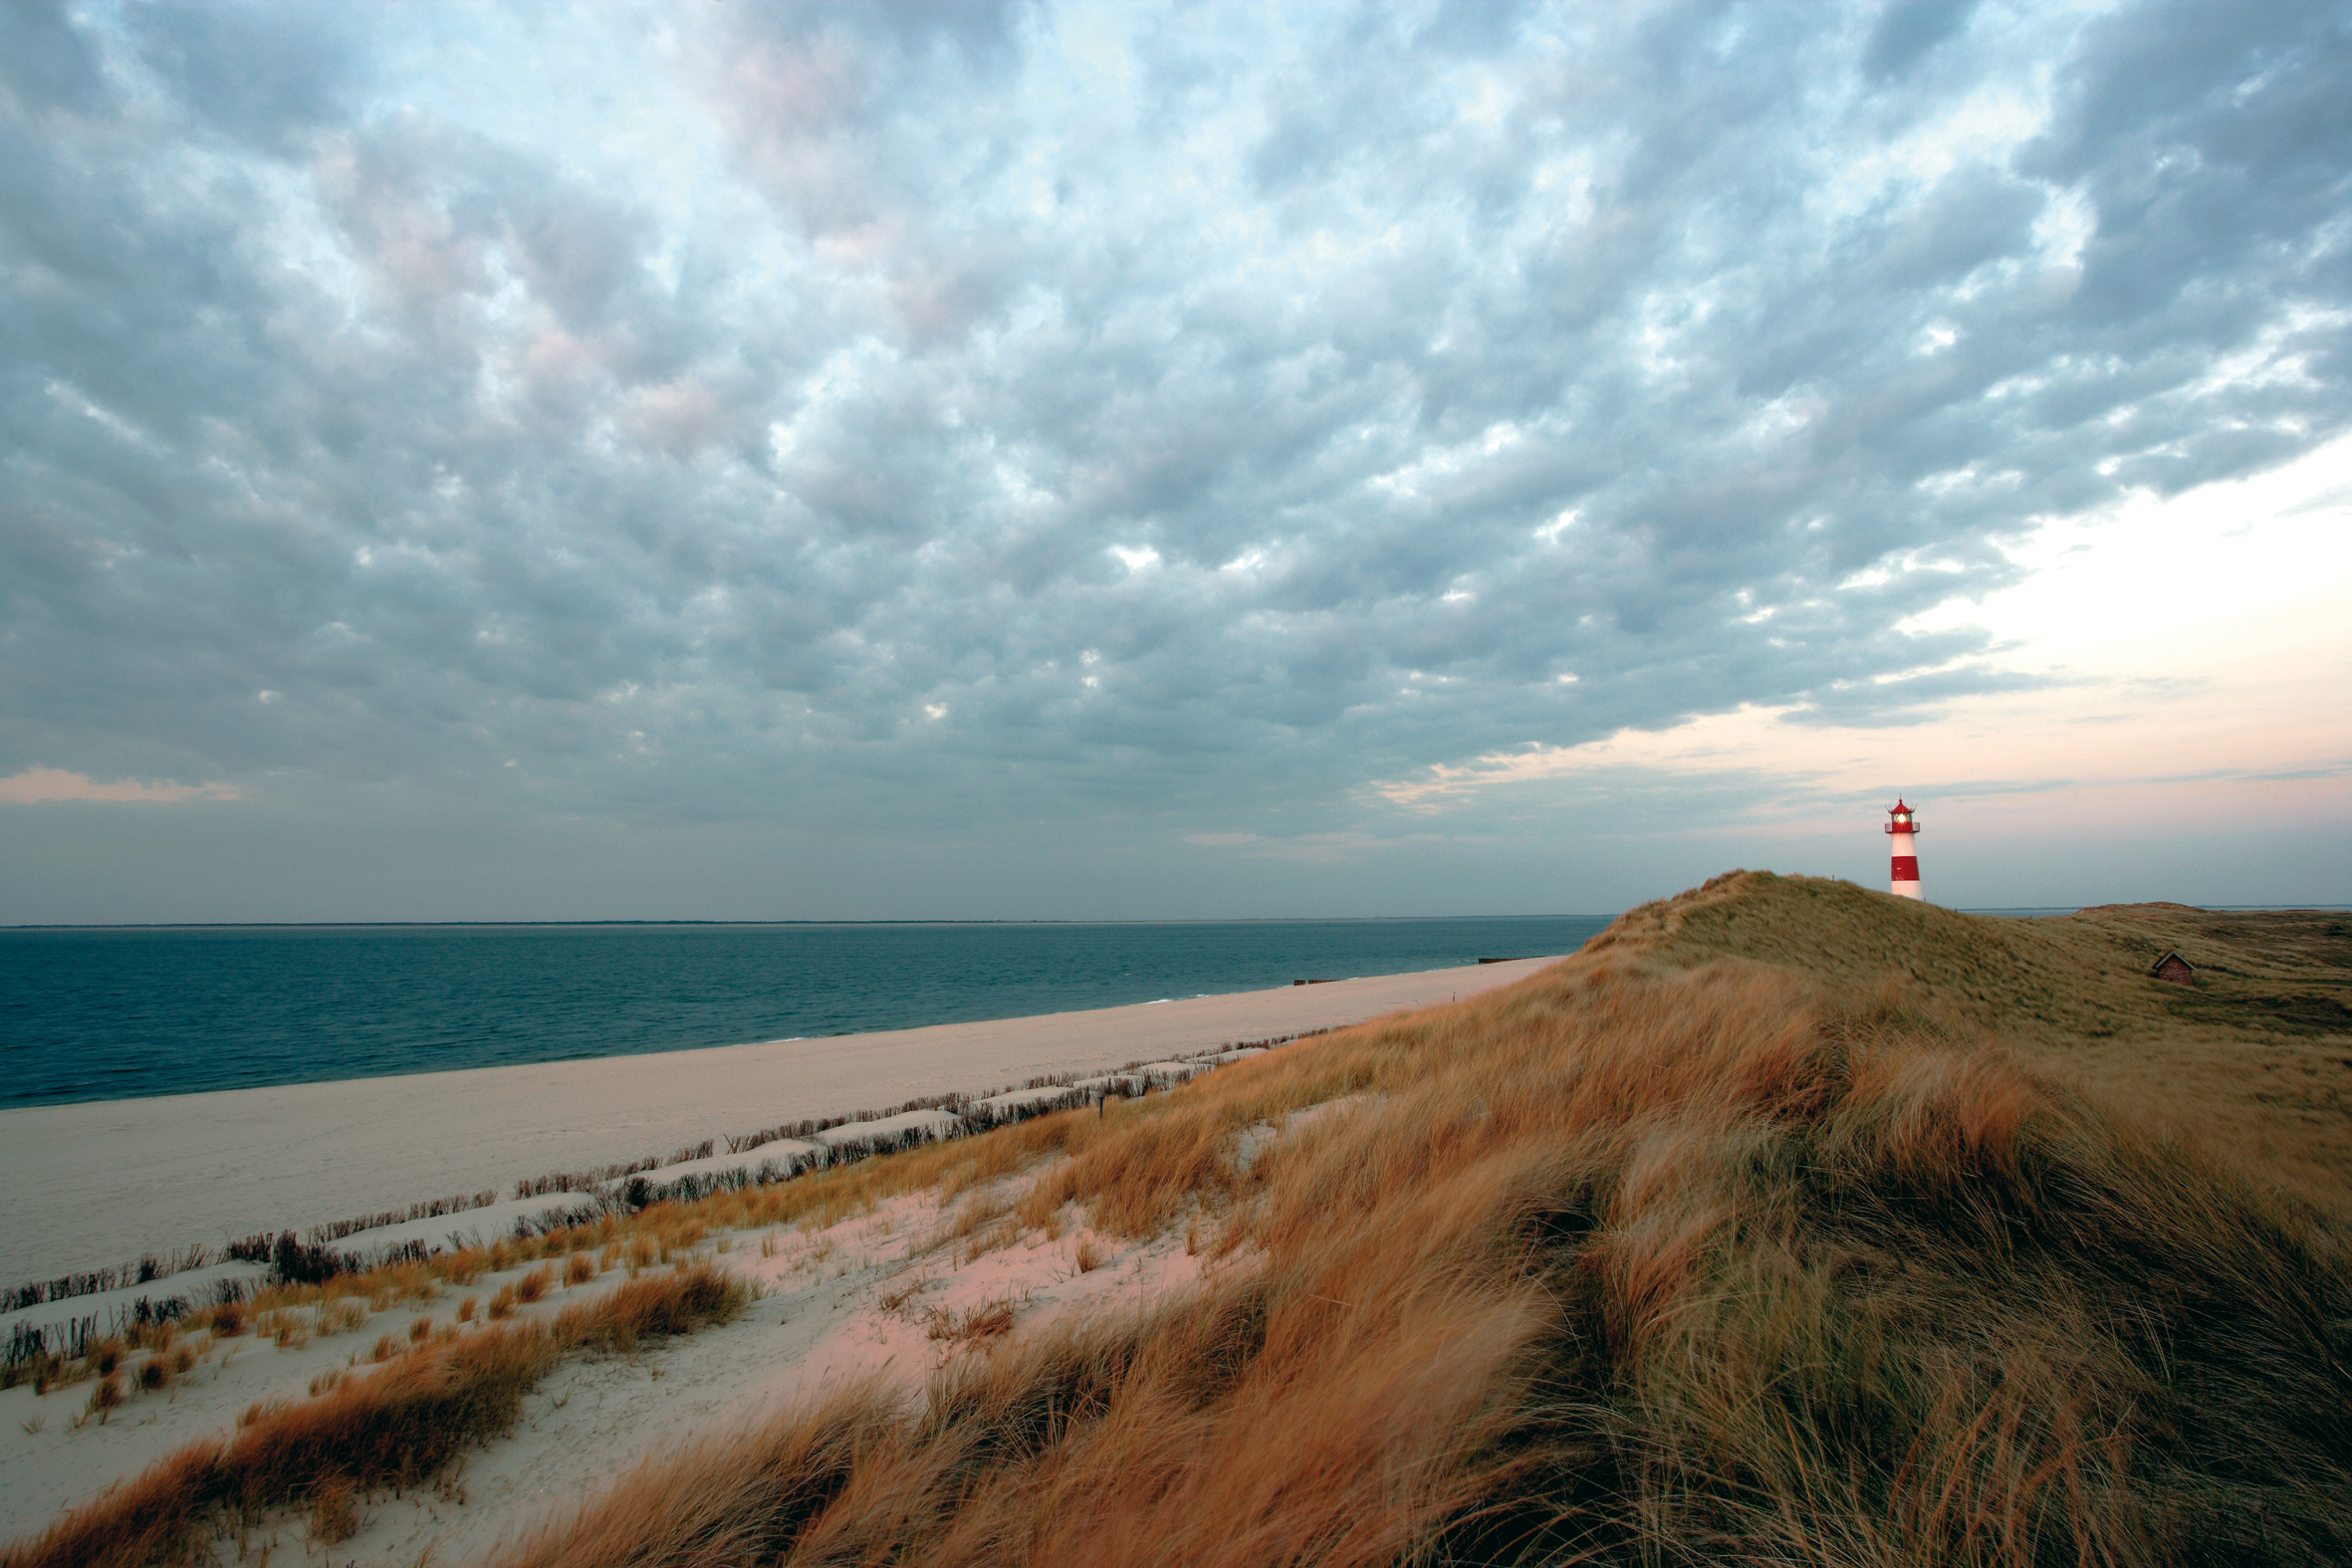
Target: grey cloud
x=2212, y=142
x=266, y=74
x=1971, y=217
x=1908, y=29
x=1294, y=419
x=46, y=62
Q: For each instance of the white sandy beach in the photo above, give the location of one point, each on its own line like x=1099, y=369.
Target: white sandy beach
x=101, y=1184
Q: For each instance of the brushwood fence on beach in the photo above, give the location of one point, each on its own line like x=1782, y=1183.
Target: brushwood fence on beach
x=31, y=1338
x=825, y=1143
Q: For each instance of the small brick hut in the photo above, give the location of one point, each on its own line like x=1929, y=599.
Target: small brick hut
x=2174, y=967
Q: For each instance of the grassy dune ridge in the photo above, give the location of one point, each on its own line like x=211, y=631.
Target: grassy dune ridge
x=1690, y=1248
x=2256, y=1058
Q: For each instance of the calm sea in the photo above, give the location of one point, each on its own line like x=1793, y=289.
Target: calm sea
x=104, y=1014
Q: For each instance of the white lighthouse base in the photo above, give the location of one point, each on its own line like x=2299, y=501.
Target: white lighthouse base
x=1906, y=889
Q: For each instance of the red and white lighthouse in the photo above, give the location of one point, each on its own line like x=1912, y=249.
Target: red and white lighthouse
x=1905, y=870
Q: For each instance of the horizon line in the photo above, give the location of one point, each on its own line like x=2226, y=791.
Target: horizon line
x=1004, y=919
x=1008, y=920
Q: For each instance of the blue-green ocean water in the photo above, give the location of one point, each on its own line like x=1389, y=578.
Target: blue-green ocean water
x=102, y=1015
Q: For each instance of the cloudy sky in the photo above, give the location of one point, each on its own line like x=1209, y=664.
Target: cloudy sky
x=724, y=459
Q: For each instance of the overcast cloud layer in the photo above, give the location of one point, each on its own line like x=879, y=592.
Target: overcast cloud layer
x=864, y=421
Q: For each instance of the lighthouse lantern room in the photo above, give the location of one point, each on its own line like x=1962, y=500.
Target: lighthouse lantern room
x=1906, y=869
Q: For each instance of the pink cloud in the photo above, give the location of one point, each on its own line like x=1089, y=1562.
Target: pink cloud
x=55, y=784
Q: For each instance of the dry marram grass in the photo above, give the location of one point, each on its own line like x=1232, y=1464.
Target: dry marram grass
x=1663, y=1256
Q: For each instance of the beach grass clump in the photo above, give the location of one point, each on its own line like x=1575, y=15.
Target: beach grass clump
x=462, y=1267
x=984, y=1321
x=654, y=1307
x=395, y=1428
x=1643, y=1261
x=337, y=1317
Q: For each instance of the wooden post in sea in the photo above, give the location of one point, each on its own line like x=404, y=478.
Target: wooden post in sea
x=1906, y=858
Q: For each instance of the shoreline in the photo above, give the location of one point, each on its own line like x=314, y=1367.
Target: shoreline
x=120, y=1013
x=98, y=1182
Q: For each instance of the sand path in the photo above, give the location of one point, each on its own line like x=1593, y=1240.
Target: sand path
x=99, y=1184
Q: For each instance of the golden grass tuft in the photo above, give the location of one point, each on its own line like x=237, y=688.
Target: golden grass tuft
x=339, y=1317
x=335, y=1511
x=985, y=1321
x=464, y=1267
